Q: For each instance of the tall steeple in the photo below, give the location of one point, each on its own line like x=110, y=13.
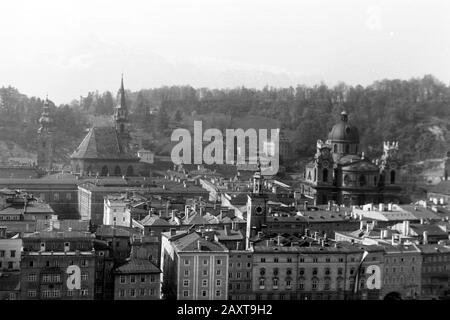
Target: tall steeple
x=121, y=118
x=45, y=138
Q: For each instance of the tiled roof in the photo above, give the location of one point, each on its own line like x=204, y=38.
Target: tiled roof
x=442, y=187
x=101, y=143
x=154, y=220
x=189, y=242
x=138, y=266
x=58, y=234
x=109, y=231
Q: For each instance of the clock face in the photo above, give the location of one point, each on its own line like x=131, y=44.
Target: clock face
x=325, y=164
x=259, y=210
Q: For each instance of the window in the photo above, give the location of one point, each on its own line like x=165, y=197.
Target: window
x=218, y=293
x=205, y=261
x=219, y=262
x=204, y=283
x=275, y=259
x=288, y=283
x=352, y=271
x=314, y=271
x=13, y=253
x=70, y=293
x=142, y=292
x=84, y=277
x=289, y=271
x=84, y=292
x=186, y=262
x=185, y=293
x=84, y=263
x=56, y=263
x=56, y=196
x=218, y=283
x=142, y=278
x=340, y=271
x=10, y=265
x=327, y=284
x=327, y=271
x=261, y=283
x=219, y=272
x=32, y=277
x=263, y=259
x=275, y=271
x=301, y=271
x=122, y=293
x=315, y=260
x=262, y=271
x=133, y=293
x=46, y=278
x=122, y=279
x=152, y=292
x=238, y=275
x=185, y=283
x=275, y=283
x=132, y=279
x=68, y=196
x=315, y=284
x=152, y=278
x=205, y=272
x=31, y=293
x=2, y=253
x=203, y=293
x=325, y=175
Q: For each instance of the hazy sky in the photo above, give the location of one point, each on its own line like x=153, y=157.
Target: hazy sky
x=67, y=48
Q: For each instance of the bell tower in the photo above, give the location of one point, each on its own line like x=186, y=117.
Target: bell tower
x=45, y=138
x=256, y=208
x=121, y=119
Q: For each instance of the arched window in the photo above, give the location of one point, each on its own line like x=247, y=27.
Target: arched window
x=325, y=175
x=362, y=180
x=347, y=148
x=105, y=171
x=335, y=148
x=117, y=171
x=392, y=177
x=130, y=171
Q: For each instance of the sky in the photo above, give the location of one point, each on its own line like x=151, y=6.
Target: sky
x=67, y=48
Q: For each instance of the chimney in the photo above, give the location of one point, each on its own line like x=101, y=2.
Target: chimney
x=425, y=237
x=329, y=205
x=315, y=235
x=306, y=232
x=305, y=205
x=393, y=239
x=361, y=225
x=367, y=227
x=381, y=234
x=421, y=220
x=390, y=206
x=199, y=246
x=238, y=244
x=227, y=229
x=405, y=228
x=173, y=231
x=3, y=232
x=381, y=207
x=234, y=226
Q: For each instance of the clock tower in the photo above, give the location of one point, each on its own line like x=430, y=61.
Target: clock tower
x=256, y=208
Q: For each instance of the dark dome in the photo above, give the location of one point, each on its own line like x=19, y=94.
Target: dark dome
x=344, y=131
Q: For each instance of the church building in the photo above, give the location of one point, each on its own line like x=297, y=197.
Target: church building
x=105, y=151
x=341, y=173
x=45, y=139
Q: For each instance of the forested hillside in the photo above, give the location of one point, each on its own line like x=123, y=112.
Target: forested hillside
x=414, y=112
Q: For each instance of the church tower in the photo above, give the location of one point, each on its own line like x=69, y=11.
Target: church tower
x=45, y=138
x=256, y=208
x=121, y=119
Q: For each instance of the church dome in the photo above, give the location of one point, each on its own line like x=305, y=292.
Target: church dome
x=344, y=131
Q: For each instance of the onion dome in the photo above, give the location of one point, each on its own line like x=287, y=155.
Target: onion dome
x=344, y=131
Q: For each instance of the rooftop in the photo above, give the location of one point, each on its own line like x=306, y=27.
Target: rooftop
x=137, y=266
